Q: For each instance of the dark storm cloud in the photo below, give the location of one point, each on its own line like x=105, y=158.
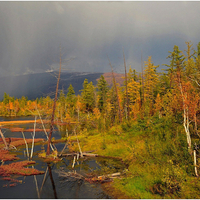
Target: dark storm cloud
x=31, y=32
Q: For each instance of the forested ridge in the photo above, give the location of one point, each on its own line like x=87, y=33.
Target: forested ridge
x=152, y=122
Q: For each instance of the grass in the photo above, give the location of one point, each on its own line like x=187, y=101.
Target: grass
x=159, y=165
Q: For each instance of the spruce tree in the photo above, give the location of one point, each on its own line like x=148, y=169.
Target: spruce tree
x=88, y=96
x=103, y=88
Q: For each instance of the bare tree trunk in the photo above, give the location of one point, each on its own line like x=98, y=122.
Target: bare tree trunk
x=185, y=116
x=114, y=82
x=25, y=144
x=4, y=140
x=54, y=107
x=78, y=144
x=195, y=164
x=126, y=82
x=44, y=128
x=33, y=139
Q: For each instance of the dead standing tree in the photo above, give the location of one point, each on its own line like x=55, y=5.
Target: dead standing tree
x=54, y=107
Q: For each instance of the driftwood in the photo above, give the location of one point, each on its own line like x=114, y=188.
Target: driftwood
x=74, y=176
x=86, y=154
x=70, y=176
x=103, y=178
x=110, y=175
x=25, y=144
x=3, y=138
x=31, y=154
x=76, y=154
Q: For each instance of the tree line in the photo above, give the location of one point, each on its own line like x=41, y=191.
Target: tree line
x=174, y=92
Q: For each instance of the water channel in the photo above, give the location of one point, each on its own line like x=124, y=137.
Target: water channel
x=54, y=185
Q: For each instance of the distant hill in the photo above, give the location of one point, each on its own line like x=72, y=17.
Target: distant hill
x=42, y=84
x=118, y=77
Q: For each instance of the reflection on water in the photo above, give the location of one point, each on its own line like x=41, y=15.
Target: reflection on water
x=50, y=184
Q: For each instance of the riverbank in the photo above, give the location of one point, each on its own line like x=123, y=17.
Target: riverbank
x=155, y=157
x=22, y=122
x=3, y=123
x=156, y=154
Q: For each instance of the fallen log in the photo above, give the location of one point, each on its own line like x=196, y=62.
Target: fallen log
x=86, y=154
x=89, y=154
x=70, y=176
x=68, y=154
x=110, y=175
x=103, y=178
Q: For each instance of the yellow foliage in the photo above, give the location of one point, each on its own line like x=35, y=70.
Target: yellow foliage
x=43, y=154
x=96, y=113
x=11, y=105
x=133, y=90
x=158, y=104
x=67, y=117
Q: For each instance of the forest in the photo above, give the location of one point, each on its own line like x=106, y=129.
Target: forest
x=151, y=122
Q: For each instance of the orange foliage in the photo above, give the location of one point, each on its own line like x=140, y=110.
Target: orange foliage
x=96, y=113
x=19, y=168
x=5, y=155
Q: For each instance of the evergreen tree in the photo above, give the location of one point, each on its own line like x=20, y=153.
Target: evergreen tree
x=150, y=85
x=6, y=98
x=71, y=91
x=176, y=64
x=88, y=95
x=103, y=88
x=71, y=100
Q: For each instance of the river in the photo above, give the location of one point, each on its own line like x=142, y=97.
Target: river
x=52, y=185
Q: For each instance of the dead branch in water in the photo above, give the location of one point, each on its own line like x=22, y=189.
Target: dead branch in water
x=33, y=139
x=86, y=154
x=63, y=149
x=70, y=176
x=25, y=144
x=81, y=154
x=3, y=138
x=45, y=130
x=74, y=176
x=75, y=154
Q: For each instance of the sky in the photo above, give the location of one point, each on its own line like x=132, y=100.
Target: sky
x=89, y=33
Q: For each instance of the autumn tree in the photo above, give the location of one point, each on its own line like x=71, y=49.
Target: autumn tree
x=150, y=85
